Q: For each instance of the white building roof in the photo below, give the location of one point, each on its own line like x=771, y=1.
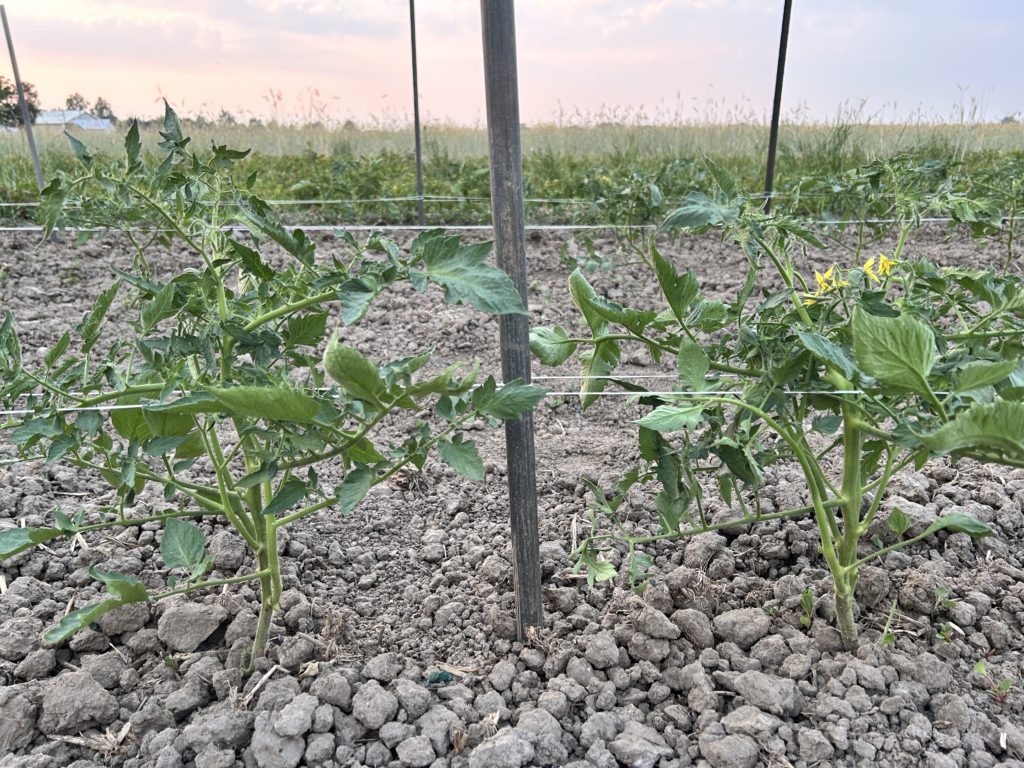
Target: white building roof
x=76, y=117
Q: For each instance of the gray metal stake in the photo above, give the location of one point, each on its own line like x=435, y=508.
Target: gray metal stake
x=773, y=137
x=26, y=118
x=416, y=114
x=499, y=37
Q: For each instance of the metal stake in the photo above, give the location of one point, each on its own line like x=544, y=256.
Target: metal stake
x=499, y=38
x=773, y=138
x=416, y=114
x=26, y=118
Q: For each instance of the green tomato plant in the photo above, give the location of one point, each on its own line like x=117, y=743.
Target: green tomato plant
x=222, y=394
x=852, y=375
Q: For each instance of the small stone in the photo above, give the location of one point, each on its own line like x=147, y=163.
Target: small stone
x=384, y=667
x=554, y=702
x=18, y=722
x=37, y=665
x=105, y=668
x=319, y=748
x=505, y=749
x=639, y=746
x=295, y=651
x=296, y=717
x=190, y=696
x=270, y=749
x=494, y=569
x=702, y=548
x=416, y=752
x=814, y=745
x=776, y=695
x=127, y=618
x=227, y=551
x=392, y=734
x=212, y=757
x=601, y=650
x=184, y=626
x=732, y=751
x=75, y=702
x=648, y=648
x=414, y=698
x=502, y=675
x=751, y=721
x=19, y=637
x=654, y=623
x=333, y=688
x=437, y=724
x=950, y=712
x=743, y=626
x=600, y=726
x=695, y=627
x=373, y=706
x=542, y=730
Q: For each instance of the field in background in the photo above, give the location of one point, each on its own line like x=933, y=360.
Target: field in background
x=598, y=172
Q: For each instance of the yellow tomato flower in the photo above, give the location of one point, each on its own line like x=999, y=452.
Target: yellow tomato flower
x=885, y=265
x=869, y=270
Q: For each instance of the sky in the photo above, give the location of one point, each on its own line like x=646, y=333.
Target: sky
x=579, y=60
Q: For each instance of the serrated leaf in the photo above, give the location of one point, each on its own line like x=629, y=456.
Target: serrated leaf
x=958, y=522
x=983, y=374
x=693, y=365
x=679, y=290
x=463, y=272
x=54, y=353
x=898, y=351
x=356, y=295
x=672, y=418
x=595, y=366
x=183, y=545
x=898, y=521
x=15, y=540
x=353, y=488
x=355, y=374
x=463, y=457
x=305, y=330
x=270, y=403
x=829, y=352
x=511, y=401
x=699, y=212
x=997, y=427
x=551, y=345
x=584, y=296
x=89, y=328
x=251, y=260
x=827, y=425
x=132, y=145
x=79, y=149
x=288, y=495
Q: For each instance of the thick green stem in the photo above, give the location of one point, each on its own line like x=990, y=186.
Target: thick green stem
x=845, y=577
x=845, y=620
x=259, y=643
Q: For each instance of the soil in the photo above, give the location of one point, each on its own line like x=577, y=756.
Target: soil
x=396, y=645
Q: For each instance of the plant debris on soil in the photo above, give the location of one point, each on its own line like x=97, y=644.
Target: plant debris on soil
x=396, y=643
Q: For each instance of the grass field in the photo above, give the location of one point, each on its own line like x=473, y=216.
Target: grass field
x=599, y=172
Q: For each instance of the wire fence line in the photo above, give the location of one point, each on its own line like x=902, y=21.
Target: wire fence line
x=469, y=227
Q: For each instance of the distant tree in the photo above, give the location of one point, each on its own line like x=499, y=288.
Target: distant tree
x=10, y=113
x=76, y=101
x=226, y=118
x=103, y=109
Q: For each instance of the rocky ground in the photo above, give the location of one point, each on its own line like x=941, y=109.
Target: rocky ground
x=396, y=643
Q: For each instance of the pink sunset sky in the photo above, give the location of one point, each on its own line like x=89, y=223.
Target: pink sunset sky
x=673, y=59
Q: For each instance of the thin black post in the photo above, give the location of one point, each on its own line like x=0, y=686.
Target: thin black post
x=416, y=114
x=26, y=118
x=773, y=138
x=499, y=35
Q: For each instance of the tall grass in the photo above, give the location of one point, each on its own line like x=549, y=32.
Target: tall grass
x=618, y=166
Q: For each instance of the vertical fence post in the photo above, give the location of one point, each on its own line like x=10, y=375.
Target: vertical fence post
x=773, y=137
x=499, y=38
x=26, y=118
x=416, y=114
